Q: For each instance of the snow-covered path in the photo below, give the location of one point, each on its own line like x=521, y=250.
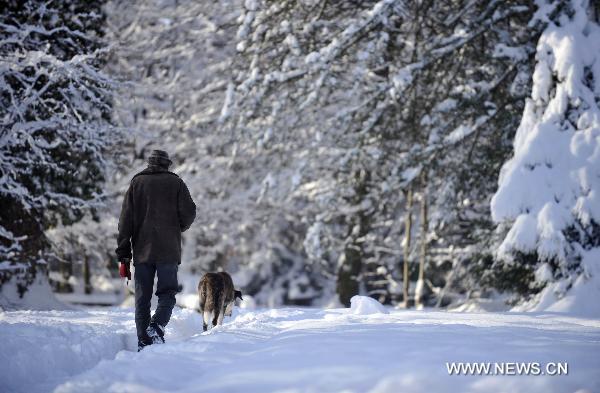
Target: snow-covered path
x=295, y=350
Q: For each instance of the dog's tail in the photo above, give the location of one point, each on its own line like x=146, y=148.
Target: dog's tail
x=207, y=317
x=217, y=306
x=203, y=305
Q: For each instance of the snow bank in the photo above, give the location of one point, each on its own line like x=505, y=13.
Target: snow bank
x=364, y=305
x=43, y=348
x=38, y=296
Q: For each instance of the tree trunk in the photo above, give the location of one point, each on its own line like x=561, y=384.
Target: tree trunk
x=423, y=253
x=351, y=265
x=407, y=231
x=87, y=275
x=348, y=274
x=66, y=271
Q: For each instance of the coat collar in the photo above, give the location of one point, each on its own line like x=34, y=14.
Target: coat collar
x=153, y=170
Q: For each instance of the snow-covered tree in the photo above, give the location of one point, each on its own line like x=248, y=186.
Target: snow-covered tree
x=56, y=132
x=364, y=102
x=547, y=203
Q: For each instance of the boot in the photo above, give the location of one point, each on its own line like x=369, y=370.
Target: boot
x=156, y=333
x=144, y=342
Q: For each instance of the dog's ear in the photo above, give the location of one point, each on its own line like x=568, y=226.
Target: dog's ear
x=238, y=294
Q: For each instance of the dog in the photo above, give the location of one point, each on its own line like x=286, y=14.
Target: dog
x=216, y=298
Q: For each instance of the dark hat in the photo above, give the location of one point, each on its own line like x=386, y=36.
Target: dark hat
x=160, y=158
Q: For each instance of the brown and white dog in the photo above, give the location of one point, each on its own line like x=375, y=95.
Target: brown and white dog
x=217, y=297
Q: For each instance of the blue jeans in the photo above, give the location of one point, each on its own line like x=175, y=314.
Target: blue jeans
x=166, y=288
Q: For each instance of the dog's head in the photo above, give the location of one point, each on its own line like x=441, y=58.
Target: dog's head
x=238, y=294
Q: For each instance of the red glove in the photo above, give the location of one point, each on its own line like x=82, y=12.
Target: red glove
x=124, y=270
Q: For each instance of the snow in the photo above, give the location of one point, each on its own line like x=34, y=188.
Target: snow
x=294, y=350
x=38, y=296
x=582, y=297
x=364, y=305
x=516, y=53
x=251, y=5
x=447, y=105
x=312, y=241
x=458, y=133
x=226, y=110
x=401, y=81
x=43, y=348
x=522, y=235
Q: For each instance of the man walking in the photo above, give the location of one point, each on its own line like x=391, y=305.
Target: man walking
x=157, y=208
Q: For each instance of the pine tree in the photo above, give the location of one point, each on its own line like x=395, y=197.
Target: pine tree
x=546, y=204
x=56, y=126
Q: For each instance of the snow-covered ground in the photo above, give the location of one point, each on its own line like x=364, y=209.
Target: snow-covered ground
x=363, y=349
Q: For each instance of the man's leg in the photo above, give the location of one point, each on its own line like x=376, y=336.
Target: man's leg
x=166, y=288
x=144, y=283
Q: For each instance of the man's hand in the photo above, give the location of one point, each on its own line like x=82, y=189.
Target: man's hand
x=124, y=270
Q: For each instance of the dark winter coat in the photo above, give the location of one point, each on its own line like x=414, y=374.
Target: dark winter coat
x=157, y=208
